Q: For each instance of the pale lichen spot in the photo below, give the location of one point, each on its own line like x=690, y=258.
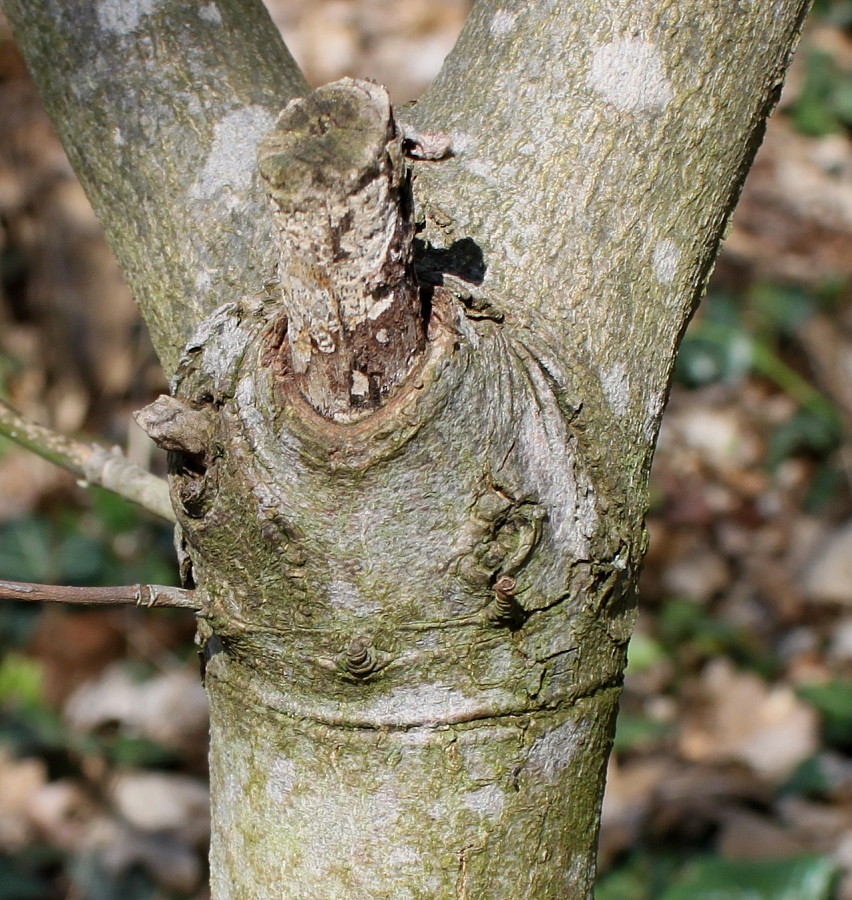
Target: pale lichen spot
x=616, y=386
x=403, y=855
x=665, y=262
x=118, y=138
x=424, y=704
x=550, y=465
x=553, y=751
x=360, y=384
x=629, y=73
x=483, y=169
x=382, y=336
x=282, y=779
x=507, y=173
x=486, y=801
x=462, y=142
x=121, y=17
x=210, y=13
x=345, y=596
x=230, y=164
x=338, y=821
x=503, y=22
x=203, y=280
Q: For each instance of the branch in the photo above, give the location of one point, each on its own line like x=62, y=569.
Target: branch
x=139, y=594
x=598, y=151
x=159, y=106
x=94, y=464
x=334, y=171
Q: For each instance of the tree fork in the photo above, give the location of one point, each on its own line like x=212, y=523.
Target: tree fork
x=414, y=613
x=426, y=621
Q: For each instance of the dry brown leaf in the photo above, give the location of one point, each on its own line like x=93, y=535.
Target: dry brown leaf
x=743, y=719
x=20, y=781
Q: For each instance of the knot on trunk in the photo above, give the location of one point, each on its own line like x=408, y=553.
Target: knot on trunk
x=174, y=425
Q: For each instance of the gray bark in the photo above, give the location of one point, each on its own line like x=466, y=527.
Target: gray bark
x=159, y=106
x=415, y=624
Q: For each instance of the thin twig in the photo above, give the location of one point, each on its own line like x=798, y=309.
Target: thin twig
x=94, y=464
x=139, y=594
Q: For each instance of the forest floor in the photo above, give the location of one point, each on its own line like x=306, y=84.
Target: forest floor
x=732, y=773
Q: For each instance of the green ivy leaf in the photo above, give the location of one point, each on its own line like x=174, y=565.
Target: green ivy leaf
x=714, y=878
x=20, y=680
x=833, y=701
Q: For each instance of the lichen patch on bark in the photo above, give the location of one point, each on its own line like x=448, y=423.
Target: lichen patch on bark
x=230, y=164
x=209, y=12
x=503, y=22
x=631, y=75
x=120, y=17
x=616, y=385
x=666, y=260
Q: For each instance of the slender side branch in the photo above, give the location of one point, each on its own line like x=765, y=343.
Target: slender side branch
x=139, y=594
x=96, y=465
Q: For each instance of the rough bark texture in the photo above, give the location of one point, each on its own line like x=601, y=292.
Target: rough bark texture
x=414, y=625
x=599, y=149
x=351, y=326
x=362, y=628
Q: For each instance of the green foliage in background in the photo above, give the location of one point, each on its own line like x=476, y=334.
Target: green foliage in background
x=833, y=702
x=713, y=878
x=23, y=876
x=646, y=876
x=837, y=13
x=107, y=542
x=737, y=336
x=692, y=634
x=824, y=104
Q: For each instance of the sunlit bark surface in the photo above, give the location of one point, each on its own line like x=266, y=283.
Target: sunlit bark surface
x=414, y=624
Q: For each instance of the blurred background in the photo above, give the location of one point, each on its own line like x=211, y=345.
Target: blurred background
x=732, y=774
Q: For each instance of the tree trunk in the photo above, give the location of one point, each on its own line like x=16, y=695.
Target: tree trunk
x=416, y=536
